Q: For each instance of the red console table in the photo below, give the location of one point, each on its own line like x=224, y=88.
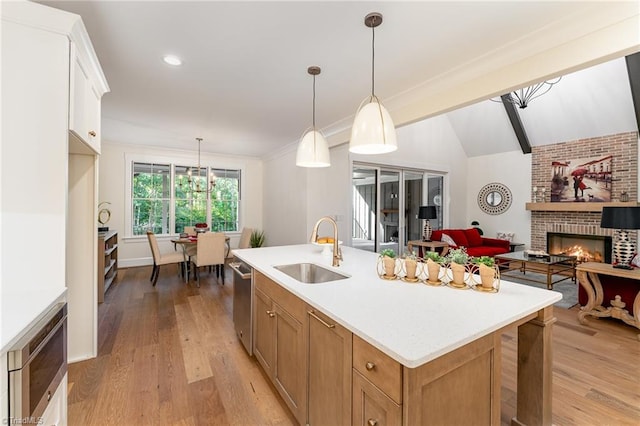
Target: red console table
x=588, y=274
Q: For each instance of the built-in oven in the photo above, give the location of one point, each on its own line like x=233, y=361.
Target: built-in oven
x=37, y=364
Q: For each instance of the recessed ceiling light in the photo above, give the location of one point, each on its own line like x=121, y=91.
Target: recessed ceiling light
x=172, y=60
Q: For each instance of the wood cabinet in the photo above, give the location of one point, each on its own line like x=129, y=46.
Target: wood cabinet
x=107, y=261
x=280, y=342
x=377, y=386
x=371, y=406
x=329, y=380
x=329, y=376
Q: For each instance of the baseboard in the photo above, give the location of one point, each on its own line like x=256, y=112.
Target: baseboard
x=132, y=263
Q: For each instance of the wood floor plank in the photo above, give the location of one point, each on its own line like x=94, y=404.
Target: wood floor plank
x=196, y=364
x=168, y=355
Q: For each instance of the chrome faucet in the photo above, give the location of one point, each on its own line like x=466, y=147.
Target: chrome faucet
x=337, y=253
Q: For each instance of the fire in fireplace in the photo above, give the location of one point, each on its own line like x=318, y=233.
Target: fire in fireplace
x=587, y=248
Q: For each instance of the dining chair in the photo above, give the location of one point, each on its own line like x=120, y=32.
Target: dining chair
x=160, y=258
x=245, y=238
x=190, y=230
x=210, y=251
x=245, y=241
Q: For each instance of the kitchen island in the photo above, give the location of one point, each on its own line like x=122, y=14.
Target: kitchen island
x=446, y=342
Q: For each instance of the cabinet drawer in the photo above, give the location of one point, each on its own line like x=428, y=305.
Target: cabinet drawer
x=380, y=369
x=371, y=407
x=290, y=303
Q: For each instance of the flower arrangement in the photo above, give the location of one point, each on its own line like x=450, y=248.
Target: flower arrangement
x=434, y=256
x=388, y=253
x=484, y=260
x=409, y=255
x=458, y=256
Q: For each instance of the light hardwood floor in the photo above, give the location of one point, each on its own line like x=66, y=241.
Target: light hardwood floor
x=168, y=355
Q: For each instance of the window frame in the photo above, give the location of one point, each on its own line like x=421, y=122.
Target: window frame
x=185, y=159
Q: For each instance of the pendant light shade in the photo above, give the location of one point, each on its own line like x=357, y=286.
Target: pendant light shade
x=313, y=149
x=373, y=131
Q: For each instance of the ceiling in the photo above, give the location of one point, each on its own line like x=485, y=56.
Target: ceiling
x=244, y=87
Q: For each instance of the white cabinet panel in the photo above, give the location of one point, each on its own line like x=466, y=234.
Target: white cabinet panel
x=84, y=110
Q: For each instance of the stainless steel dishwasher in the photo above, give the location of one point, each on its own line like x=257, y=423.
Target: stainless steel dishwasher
x=243, y=304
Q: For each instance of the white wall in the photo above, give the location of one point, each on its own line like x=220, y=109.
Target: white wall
x=81, y=251
x=285, y=200
x=512, y=169
x=295, y=198
x=134, y=251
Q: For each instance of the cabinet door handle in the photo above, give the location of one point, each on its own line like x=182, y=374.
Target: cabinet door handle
x=369, y=366
x=271, y=314
x=323, y=322
x=372, y=422
x=92, y=133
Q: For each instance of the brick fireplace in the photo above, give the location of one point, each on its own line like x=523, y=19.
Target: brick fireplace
x=622, y=147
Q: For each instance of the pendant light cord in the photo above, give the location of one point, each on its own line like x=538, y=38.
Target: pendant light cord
x=373, y=59
x=313, y=121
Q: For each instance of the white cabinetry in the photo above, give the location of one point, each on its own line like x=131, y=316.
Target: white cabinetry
x=56, y=412
x=84, y=108
x=48, y=176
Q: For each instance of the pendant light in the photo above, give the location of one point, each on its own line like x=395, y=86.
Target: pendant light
x=313, y=150
x=195, y=183
x=373, y=131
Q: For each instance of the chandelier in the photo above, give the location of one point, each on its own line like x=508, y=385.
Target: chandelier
x=197, y=183
x=522, y=97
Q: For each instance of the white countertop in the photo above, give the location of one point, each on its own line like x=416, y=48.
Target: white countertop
x=412, y=323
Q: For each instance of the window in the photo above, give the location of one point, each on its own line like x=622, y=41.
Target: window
x=151, y=198
x=162, y=202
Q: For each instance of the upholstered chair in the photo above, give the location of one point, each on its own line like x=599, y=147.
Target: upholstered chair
x=160, y=258
x=210, y=251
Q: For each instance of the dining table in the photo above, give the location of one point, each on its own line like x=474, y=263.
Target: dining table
x=190, y=240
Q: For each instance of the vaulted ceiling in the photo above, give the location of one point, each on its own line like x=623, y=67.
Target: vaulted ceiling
x=244, y=88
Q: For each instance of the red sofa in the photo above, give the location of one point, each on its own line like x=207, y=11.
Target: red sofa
x=475, y=244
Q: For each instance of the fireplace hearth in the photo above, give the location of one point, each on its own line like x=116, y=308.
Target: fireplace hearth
x=587, y=248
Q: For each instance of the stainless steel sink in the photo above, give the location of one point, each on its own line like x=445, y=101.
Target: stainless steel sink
x=310, y=273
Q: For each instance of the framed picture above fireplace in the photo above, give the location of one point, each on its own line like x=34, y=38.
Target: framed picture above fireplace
x=581, y=180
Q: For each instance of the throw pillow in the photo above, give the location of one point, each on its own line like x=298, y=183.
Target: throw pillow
x=447, y=239
x=473, y=236
x=505, y=236
x=636, y=261
x=459, y=237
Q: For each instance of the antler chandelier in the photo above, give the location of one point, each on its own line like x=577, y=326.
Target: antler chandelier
x=522, y=97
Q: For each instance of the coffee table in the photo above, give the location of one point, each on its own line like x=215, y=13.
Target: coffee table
x=431, y=245
x=548, y=265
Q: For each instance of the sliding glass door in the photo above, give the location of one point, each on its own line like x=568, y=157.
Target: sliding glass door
x=385, y=206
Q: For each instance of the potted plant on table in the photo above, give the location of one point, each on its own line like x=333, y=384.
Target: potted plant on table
x=410, y=266
x=458, y=259
x=487, y=270
x=388, y=257
x=434, y=262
